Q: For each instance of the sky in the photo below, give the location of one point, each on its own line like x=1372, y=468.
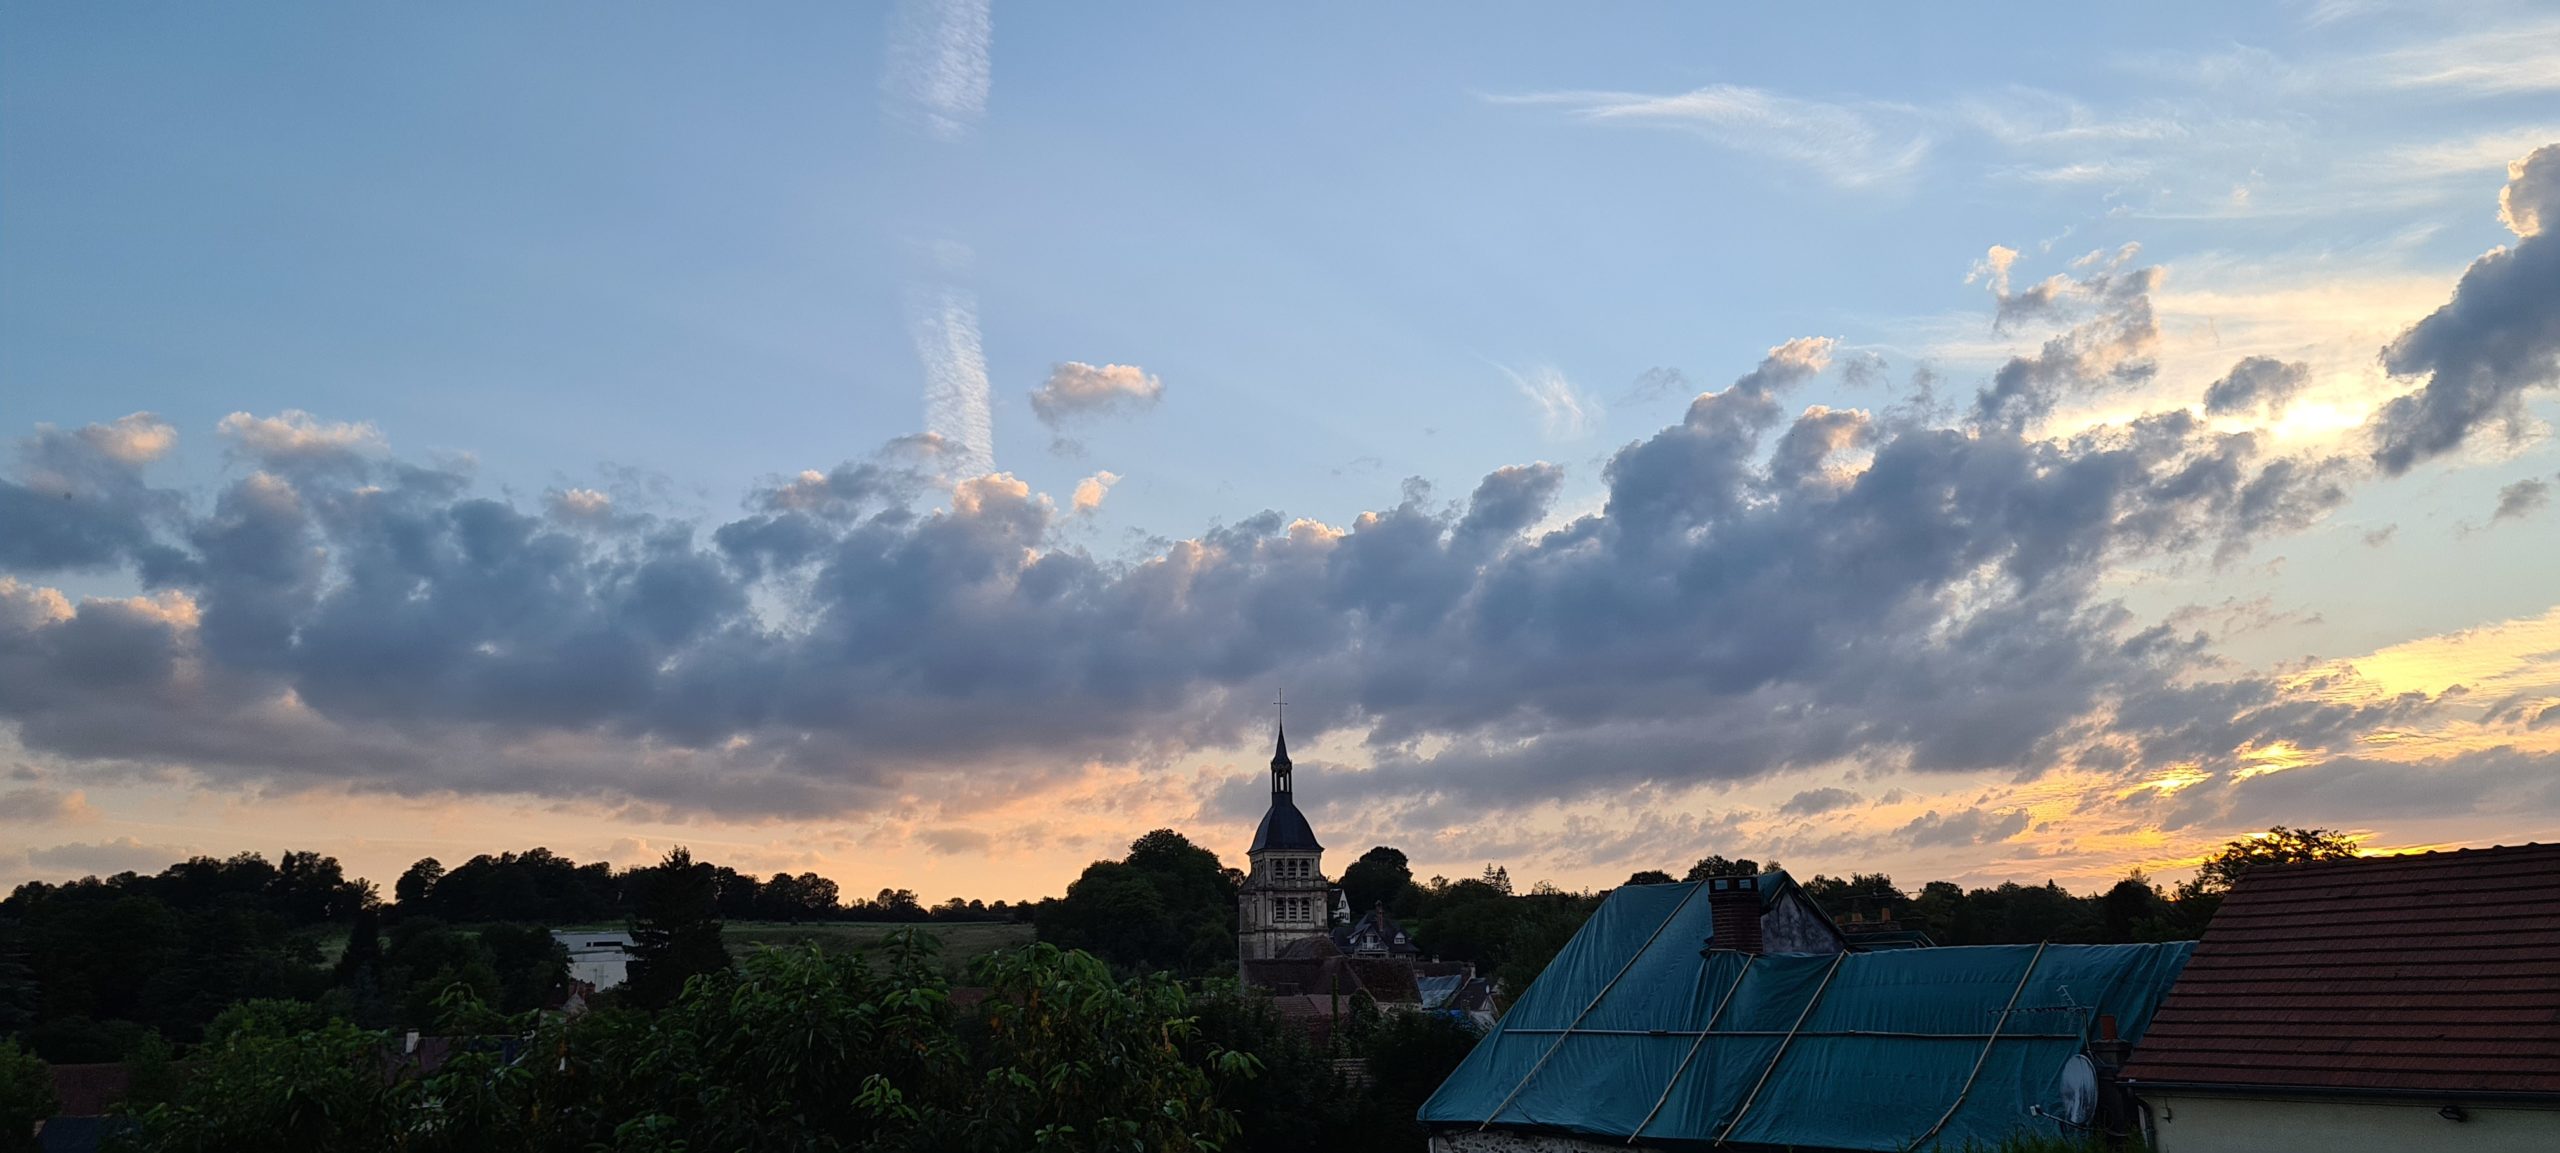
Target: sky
x=919, y=442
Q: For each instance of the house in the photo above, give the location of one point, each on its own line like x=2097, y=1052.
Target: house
x=1375, y=934
x=1723, y=1012
x=2408, y=1002
x=598, y=958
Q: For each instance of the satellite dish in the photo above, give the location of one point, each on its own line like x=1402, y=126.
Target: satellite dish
x=2078, y=1089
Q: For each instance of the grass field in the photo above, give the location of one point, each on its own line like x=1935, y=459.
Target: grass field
x=962, y=941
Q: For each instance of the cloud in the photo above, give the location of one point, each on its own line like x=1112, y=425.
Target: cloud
x=294, y=437
x=1090, y=491
x=1565, y=412
x=2495, y=341
x=1974, y=826
x=949, y=842
x=2522, y=499
x=2109, y=345
x=939, y=66
x=80, y=501
x=1764, y=587
x=1850, y=145
x=41, y=806
x=1077, y=390
x=2361, y=790
x=580, y=506
x=105, y=858
x=2514, y=59
x=957, y=411
x=2257, y=383
x=1816, y=801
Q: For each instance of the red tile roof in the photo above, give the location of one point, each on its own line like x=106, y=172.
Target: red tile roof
x=2434, y=973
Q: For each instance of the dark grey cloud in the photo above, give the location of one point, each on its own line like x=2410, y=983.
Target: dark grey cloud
x=1724, y=616
x=2356, y=790
x=39, y=806
x=2495, y=341
x=2110, y=345
x=2257, y=382
x=2522, y=499
x=1974, y=826
x=105, y=858
x=79, y=502
x=1814, y=801
x=1766, y=586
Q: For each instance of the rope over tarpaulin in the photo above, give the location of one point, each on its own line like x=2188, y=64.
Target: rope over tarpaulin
x=1634, y=1031
x=1586, y=1009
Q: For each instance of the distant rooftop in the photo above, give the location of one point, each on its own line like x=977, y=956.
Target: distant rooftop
x=2429, y=973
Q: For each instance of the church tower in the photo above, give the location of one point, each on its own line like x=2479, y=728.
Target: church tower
x=1285, y=898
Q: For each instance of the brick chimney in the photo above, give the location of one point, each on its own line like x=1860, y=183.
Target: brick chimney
x=1735, y=904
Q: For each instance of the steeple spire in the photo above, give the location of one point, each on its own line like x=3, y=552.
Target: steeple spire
x=1280, y=750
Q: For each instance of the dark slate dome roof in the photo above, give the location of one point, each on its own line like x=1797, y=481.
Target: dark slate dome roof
x=1285, y=828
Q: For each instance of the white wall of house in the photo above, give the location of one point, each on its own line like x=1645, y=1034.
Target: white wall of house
x=2215, y=1124
x=601, y=959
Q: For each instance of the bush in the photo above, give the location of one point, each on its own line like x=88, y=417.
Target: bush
x=797, y=1050
x=26, y=1097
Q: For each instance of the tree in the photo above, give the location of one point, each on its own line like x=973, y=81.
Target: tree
x=26, y=1097
x=2277, y=846
x=1498, y=878
x=417, y=886
x=675, y=930
x=310, y=888
x=1649, y=877
x=810, y=897
x=799, y=1049
x=1715, y=865
x=1379, y=876
x=1170, y=906
x=2132, y=909
x=897, y=905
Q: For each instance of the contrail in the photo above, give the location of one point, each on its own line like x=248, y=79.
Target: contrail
x=944, y=324
x=938, y=68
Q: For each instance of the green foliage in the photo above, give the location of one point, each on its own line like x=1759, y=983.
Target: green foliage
x=1295, y=1102
x=799, y=1050
x=1715, y=865
x=152, y=1073
x=2277, y=846
x=417, y=885
x=268, y=1019
x=321, y=1090
x=1077, y=1061
x=675, y=929
x=1378, y=877
x=1409, y=1055
x=115, y=959
x=1648, y=877
x=26, y=1097
x=1170, y=906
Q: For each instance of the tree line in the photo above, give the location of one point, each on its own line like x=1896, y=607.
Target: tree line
x=542, y=887
x=1170, y=905
x=102, y=968
x=224, y=962
x=798, y=1048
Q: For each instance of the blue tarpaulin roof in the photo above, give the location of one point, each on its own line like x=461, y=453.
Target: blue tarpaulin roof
x=1634, y=1030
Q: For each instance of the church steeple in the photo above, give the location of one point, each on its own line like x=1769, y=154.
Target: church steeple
x=1283, y=827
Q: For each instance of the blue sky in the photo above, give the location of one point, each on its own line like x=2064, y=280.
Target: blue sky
x=676, y=258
